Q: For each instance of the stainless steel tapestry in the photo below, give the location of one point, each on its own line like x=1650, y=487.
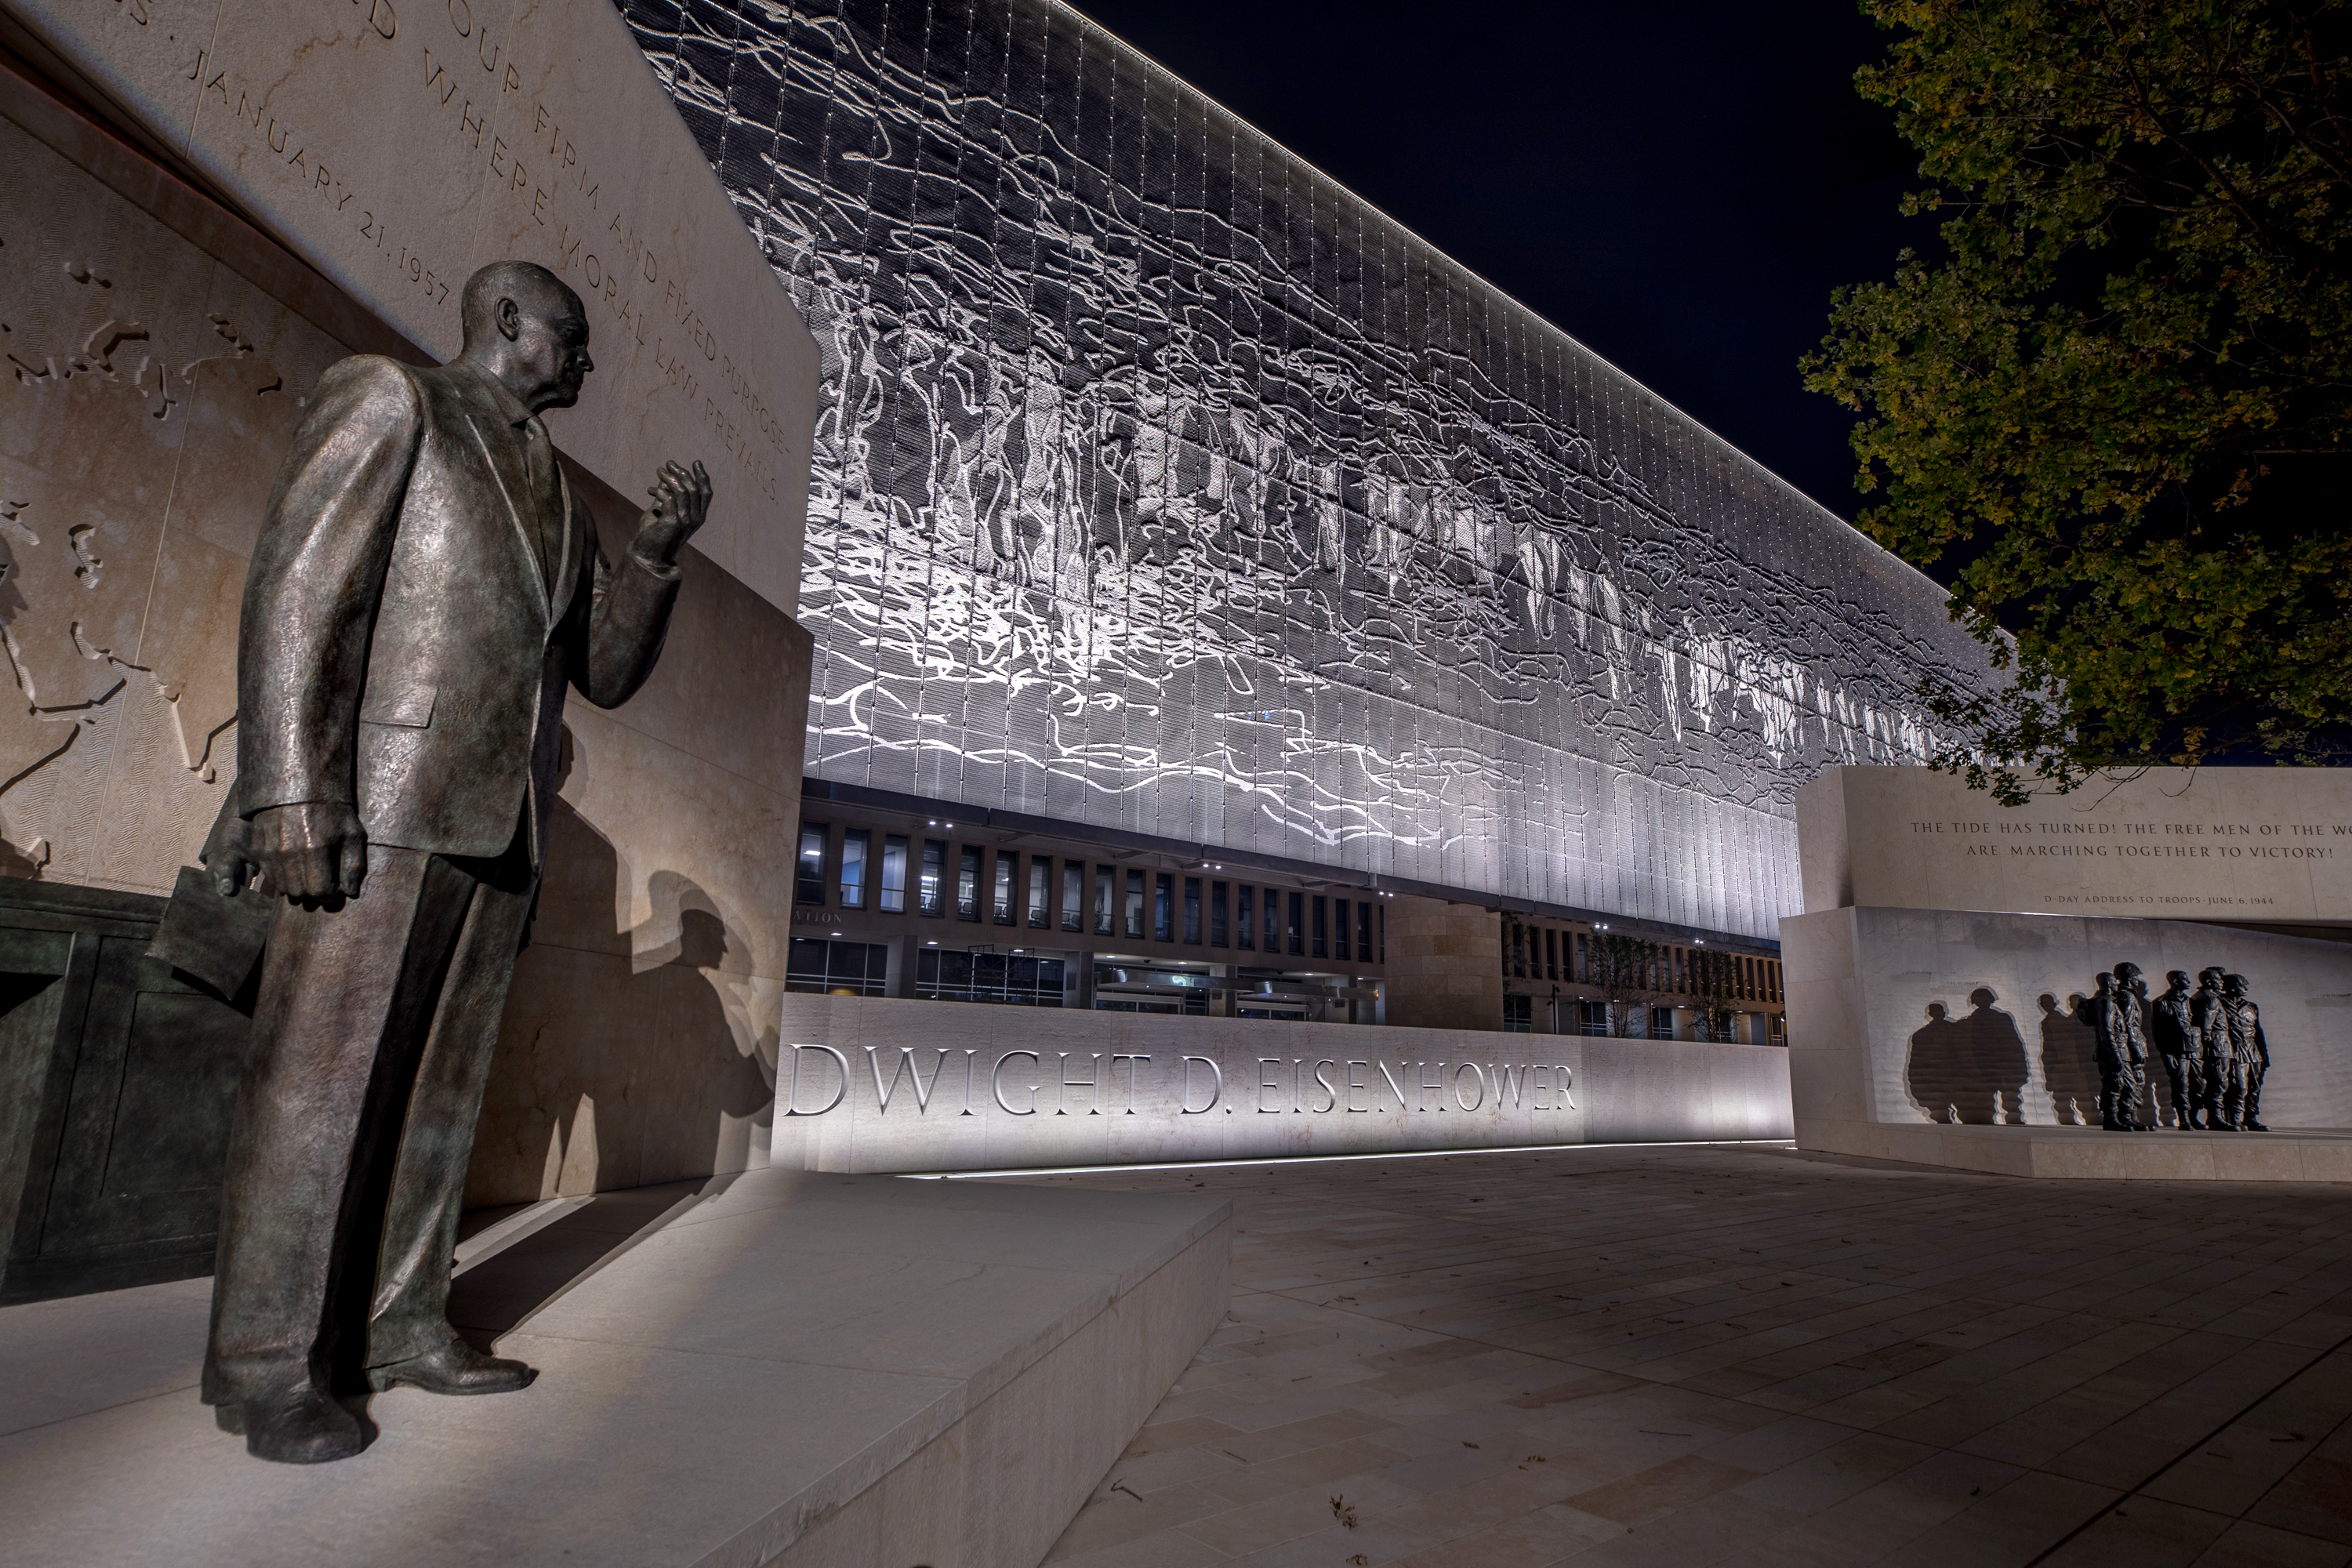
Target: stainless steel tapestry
x=1162, y=484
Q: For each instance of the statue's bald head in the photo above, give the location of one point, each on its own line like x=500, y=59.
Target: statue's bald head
x=535, y=290
x=527, y=330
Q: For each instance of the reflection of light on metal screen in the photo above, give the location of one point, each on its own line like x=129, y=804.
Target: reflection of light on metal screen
x=1161, y=485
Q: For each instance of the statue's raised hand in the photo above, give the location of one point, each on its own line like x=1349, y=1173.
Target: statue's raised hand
x=681, y=502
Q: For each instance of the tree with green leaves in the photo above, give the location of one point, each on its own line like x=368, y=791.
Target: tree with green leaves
x=2114, y=403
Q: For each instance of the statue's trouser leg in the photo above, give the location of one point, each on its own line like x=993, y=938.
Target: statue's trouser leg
x=2253, y=1099
x=409, y=1316
x=345, y=998
x=2233, y=1092
x=2176, y=1079
x=2110, y=1096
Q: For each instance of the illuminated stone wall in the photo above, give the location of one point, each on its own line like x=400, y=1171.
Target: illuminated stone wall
x=1162, y=485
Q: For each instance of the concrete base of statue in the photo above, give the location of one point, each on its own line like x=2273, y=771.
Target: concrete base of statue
x=2087, y=1153
x=779, y=1367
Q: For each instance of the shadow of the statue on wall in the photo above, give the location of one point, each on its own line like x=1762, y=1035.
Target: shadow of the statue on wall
x=1970, y=1069
x=2070, y=1061
x=626, y=1058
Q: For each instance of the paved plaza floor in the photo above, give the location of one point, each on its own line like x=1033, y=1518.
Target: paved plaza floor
x=1746, y=1356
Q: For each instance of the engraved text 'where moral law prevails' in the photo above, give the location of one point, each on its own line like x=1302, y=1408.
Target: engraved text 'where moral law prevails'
x=544, y=174
x=1293, y=1087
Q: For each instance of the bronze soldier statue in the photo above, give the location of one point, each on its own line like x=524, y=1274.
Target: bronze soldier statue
x=2249, y=1047
x=2092, y=1010
x=426, y=585
x=2175, y=1031
x=2224, y=1085
x=2121, y=1029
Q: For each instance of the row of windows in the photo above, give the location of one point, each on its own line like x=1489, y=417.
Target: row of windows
x=1126, y=902
x=836, y=968
x=1590, y=1017
x=1656, y=1023
x=862, y=969
x=943, y=974
x=1625, y=963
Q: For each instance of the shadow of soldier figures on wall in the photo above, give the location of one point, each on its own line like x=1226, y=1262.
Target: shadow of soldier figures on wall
x=2070, y=1061
x=1933, y=1073
x=1971, y=1070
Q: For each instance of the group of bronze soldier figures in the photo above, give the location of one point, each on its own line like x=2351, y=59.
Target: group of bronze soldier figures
x=2211, y=1040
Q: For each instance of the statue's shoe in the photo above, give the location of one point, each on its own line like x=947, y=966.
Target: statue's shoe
x=299, y=1426
x=453, y=1368
x=2255, y=1127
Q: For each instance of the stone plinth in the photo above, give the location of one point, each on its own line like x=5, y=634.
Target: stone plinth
x=792, y=1369
x=2086, y=1153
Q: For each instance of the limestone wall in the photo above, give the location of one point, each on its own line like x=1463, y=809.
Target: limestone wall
x=397, y=147
x=1445, y=965
x=2260, y=846
x=873, y=1084
x=1900, y=1015
x=158, y=354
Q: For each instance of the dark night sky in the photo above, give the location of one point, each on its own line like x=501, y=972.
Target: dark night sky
x=1678, y=186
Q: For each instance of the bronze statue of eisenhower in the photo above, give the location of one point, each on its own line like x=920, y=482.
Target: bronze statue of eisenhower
x=425, y=584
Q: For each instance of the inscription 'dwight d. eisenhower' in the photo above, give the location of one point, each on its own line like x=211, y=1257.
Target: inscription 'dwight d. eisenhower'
x=1297, y=1084
x=397, y=145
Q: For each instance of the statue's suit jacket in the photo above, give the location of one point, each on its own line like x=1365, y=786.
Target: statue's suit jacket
x=424, y=586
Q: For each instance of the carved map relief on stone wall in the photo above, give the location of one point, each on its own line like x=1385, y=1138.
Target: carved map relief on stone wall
x=141, y=377
x=1160, y=484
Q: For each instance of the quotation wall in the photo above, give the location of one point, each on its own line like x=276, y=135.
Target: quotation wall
x=1165, y=486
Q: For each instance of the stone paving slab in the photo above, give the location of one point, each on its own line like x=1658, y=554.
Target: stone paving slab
x=1694, y=1356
